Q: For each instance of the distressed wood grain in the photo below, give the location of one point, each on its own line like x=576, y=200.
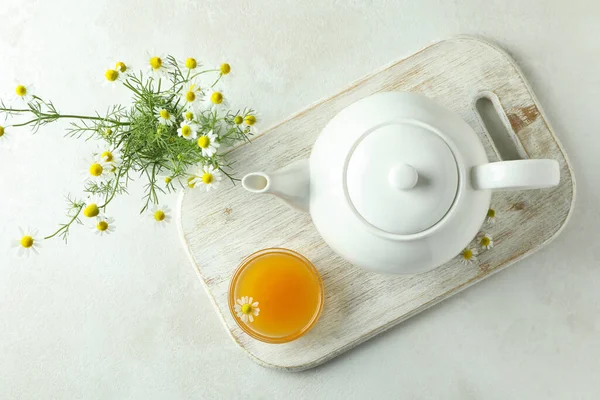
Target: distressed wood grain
x=220, y=229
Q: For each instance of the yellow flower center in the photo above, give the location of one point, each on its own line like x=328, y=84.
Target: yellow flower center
x=102, y=226
x=467, y=254
x=225, y=68
x=96, y=169
x=168, y=179
x=164, y=114
x=485, y=241
x=27, y=241
x=207, y=178
x=191, y=182
x=191, y=63
x=111, y=75
x=189, y=115
x=159, y=215
x=250, y=120
x=216, y=97
x=491, y=213
x=120, y=66
x=203, y=142
x=238, y=119
x=246, y=308
x=108, y=131
x=1, y=131
x=155, y=63
x=186, y=131
x=21, y=90
x=91, y=210
x=107, y=156
x=190, y=96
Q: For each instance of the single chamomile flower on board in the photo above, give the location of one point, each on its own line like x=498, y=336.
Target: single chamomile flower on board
x=191, y=96
x=246, y=310
x=491, y=216
x=91, y=209
x=103, y=226
x=122, y=68
x=156, y=66
x=97, y=169
x=188, y=130
x=250, y=123
x=23, y=92
x=214, y=98
x=160, y=214
x=468, y=256
x=209, y=176
x=165, y=117
x=486, y=241
x=28, y=243
x=208, y=143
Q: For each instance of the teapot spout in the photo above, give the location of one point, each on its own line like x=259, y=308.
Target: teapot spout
x=291, y=184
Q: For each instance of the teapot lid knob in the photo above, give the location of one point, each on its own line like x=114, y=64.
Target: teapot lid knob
x=403, y=177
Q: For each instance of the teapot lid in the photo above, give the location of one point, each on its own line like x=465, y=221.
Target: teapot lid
x=401, y=177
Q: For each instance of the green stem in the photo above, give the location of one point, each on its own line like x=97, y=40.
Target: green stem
x=68, y=224
x=112, y=195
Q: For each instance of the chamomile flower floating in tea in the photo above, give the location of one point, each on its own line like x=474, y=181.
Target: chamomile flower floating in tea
x=188, y=130
x=208, y=143
x=468, y=256
x=246, y=309
x=23, y=93
x=165, y=132
x=161, y=214
x=103, y=226
x=486, y=241
x=28, y=243
x=491, y=216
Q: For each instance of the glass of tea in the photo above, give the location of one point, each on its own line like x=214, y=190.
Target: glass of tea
x=276, y=295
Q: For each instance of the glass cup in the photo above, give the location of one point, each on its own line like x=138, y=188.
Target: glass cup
x=276, y=295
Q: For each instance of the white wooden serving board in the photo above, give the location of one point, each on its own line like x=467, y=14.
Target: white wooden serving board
x=220, y=228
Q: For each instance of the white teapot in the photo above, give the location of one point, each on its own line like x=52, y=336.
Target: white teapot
x=396, y=183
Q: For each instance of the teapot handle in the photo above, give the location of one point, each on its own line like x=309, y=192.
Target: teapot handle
x=516, y=175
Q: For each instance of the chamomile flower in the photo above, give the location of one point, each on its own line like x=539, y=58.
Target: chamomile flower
x=250, y=123
x=188, y=115
x=3, y=135
x=224, y=68
x=28, y=243
x=121, y=67
x=190, y=64
x=491, y=216
x=112, y=76
x=214, y=98
x=157, y=66
x=188, y=130
x=103, y=226
x=91, y=208
x=208, y=143
x=160, y=214
x=97, y=169
x=165, y=117
x=486, y=241
x=191, y=96
x=209, y=176
x=468, y=256
x=23, y=92
x=246, y=309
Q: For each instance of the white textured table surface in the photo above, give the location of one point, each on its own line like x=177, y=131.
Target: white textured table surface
x=126, y=317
